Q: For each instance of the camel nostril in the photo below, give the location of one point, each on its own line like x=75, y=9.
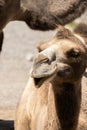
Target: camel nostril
x=64, y=72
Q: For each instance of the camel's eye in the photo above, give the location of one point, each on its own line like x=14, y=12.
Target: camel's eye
x=73, y=53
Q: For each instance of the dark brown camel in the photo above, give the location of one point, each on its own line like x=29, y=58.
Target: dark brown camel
x=40, y=14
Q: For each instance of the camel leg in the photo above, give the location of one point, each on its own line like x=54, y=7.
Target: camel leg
x=1, y=40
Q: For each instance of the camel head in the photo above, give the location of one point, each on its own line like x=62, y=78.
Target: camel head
x=64, y=58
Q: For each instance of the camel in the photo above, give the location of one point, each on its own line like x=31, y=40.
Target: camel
x=39, y=14
x=52, y=98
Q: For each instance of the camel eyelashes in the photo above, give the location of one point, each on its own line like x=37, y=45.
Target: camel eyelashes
x=73, y=54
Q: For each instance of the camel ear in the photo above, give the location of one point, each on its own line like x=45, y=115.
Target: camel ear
x=43, y=67
x=42, y=46
x=63, y=33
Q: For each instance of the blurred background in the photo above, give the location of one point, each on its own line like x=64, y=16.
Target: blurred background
x=16, y=59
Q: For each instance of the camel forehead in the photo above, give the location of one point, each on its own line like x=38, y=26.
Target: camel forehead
x=65, y=45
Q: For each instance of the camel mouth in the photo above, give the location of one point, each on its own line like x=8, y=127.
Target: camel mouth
x=62, y=74
x=61, y=70
x=39, y=81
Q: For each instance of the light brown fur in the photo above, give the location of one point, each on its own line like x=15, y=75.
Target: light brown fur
x=52, y=98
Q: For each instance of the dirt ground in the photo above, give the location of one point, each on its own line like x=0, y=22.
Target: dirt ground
x=19, y=46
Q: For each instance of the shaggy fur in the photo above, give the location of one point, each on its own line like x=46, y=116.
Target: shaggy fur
x=52, y=98
x=40, y=14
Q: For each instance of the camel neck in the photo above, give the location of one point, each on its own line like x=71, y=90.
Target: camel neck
x=67, y=104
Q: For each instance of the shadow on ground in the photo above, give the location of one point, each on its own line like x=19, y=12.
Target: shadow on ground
x=6, y=125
